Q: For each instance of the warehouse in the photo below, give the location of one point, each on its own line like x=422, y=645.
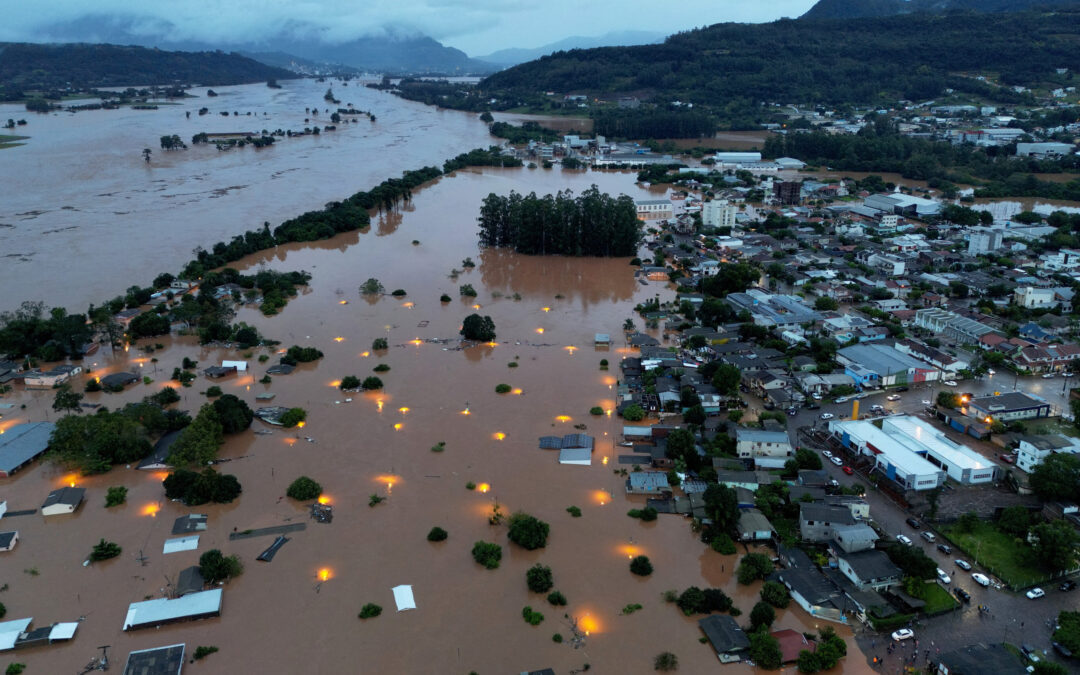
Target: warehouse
x=895, y=456
x=960, y=462
x=875, y=365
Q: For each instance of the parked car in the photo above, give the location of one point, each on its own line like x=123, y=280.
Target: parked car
x=1067, y=586
x=927, y=402
x=944, y=548
x=826, y=416
x=991, y=371
x=962, y=594
x=903, y=539
x=963, y=564
x=1008, y=459
x=848, y=470
x=981, y=579
x=813, y=406
x=877, y=407
x=837, y=461
x=903, y=634
x=827, y=454
x=1062, y=649
x=902, y=389
x=792, y=412
x=840, y=399
x=949, y=383
x=1035, y=594
x=893, y=397
x=1069, y=374
x=1049, y=376
x=1030, y=652
x=928, y=536
x=816, y=396
x=942, y=577
x=914, y=523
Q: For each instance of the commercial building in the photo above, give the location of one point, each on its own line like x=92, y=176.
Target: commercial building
x=895, y=456
x=719, y=213
x=21, y=444
x=654, y=209
x=788, y=192
x=1007, y=407
x=951, y=326
x=768, y=309
x=874, y=365
x=1034, y=449
x=961, y=463
x=983, y=240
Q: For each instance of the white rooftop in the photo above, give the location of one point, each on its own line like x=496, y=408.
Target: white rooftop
x=935, y=442
x=161, y=610
x=898, y=450
x=181, y=544
x=10, y=630
x=403, y=596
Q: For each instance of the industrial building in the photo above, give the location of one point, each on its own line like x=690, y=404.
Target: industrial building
x=962, y=464
x=874, y=365
x=21, y=444
x=893, y=455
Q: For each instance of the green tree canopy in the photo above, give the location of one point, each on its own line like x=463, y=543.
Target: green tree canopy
x=1055, y=545
x=234, y=414
x=1057, y=478
x=200, y=441
x=528, y=531
x=479, y=328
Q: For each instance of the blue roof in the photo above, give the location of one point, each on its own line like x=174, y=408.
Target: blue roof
x=22, y=443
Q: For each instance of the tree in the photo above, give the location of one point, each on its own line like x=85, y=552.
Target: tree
x=1068, y=631
x=199, y=442
x=293, y=417
x=666, y=662
x=66, y=399
x=633, y=413
x=681, y=447
x=754, y=566
x=765, y=650
x=146, y=154
x=1048, y=667
x=478, y=328
x=437, y=534
x=1057, y=478
x=115, y=496
x=826, y=304
x=722, y=506
x=539, y=579
x=234, y=414
x=349, y=382
x=486, y=117
x=641, y=566
x=762, y=616
x=1015, y=520
x=692, y=601
x=370, y=611
x=103, y=550
x=775, y=593
x=215, y=566
x=92, y=444
x=304, y=488
x=807, y=459
x=947, y=399
x=372, y=287
x=726, y=379
x=487, y=554
x=1055, y=545
x=527, y=531
x=913, y=561
x=195, y=488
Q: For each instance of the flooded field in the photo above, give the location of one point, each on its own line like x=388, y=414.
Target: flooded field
x=299, y=613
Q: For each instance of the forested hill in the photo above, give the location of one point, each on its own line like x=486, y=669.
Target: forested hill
x=858, y=9
x=914, y=57
x=53, y=66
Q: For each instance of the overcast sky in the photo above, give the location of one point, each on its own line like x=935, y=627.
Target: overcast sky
x=475, y=26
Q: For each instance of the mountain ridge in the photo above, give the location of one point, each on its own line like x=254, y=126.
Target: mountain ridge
x=862, y=9
x=517, y=55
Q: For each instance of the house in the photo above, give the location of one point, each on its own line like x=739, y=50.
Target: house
x=156, y=461
x=192, y=522
x=1034, y=449
x=116, y=381
x=63, y=500
x=1015, y=405
x=766, y=448
x=749, y=480
x=792, y=643
x=647, y=483
x=37, y=379
x=726, y=637
x=869, y=569
x=817, y=521
x=215, y=372
x=151, y=613
x=8, y=540
x=21, y=444
x=189, y=581
x=981, y=659
x=854, y=538
x=157, y=661
x=812, y=591
x=754, y=526
x=18, y=634
x=575, y=456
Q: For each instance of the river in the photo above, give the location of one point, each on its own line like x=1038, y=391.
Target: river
x=282, y=617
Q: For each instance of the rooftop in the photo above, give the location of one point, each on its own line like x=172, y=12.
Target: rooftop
x=1013, y=400
x=23, y=442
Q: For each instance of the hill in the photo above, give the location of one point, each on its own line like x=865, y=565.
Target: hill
x=514, y=56
x=857, y=61
x=55, y=66
x=861, y=9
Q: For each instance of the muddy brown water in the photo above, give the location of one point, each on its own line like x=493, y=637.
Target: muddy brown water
x=280, y=617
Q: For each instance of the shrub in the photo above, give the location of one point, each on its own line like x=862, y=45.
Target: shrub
x=487, y=554
x=603, y=364
x=371, y=383
x=15, y=669
x=574, y=511
x=293, y=417
x=379, y=343
x=665, y=662
x=754, y=566
x=381, y=368
x=303, y=489
x=762, y=616
x=512, y=364
x=371, y=287
x=539, y=579
x=647, y=514
x=502, y=389
x=765, y=650
x=202, y=652
x=556, y=598
x=91, y=386
x=349, y=382
x=103, y=550
x=445, y=298
x=776, y=594
x=630, y=609
x=723, y=544
x=467, y=291
x=3, y=610
x=633, y=413
x=164, y=397
x=398, y=292
x=691, y=601
x=527, y=531
x=215, y=566
x=437, y=534
x=470, y=485
x=213, y=392
x=478, y=328
x=556, y=638
x=115, y=496
x=370, y=611
x=641, y=566
x=439, y=447
x=531, y=617
x=374, y=500
x=596, y=410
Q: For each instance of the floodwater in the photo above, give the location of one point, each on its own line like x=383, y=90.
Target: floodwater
x=282, y=617
x=78, y=197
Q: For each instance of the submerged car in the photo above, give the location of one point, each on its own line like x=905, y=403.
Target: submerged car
x=949, y=383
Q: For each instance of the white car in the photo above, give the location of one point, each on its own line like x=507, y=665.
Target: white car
x=949, y=383
x=942, y=577
x=826, y=416
x=827, y=453
x=1070, y=374
x=1049, y=376
x=903, y=539
x=903, y=634
x=1035, y=593
x=981, y=579
x=816, y=396
x=991, y=371
x=893, y=397
x=963, y=564
x=837, y=461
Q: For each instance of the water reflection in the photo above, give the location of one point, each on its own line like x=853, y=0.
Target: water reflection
x=588, y=280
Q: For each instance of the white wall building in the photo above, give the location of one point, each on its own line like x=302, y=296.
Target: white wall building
x=719, y=213
x=654, y=209
x=960, y=462
x=1034, y=449
x=891, y=456
x=1030, y=297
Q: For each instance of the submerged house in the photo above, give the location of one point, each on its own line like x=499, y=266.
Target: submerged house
x=63, y=500
x=151, y=613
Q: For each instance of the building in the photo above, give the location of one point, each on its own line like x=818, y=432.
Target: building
x=891, y=455
x=817, y=522
x=1008, y=407
x=63, y=500
x=766, y=448
x=726, y=637
x=37, y=379
x=869, y=570
x=771, y=310
x=17, y=634
x=21, y=444
x=737, y=157
x=960, y=462
x=981, y=659
x=647, y=483
x=1034, y=449
x=654, y=209
x=812, y=591
x=157, y=661
x=151, y=613
x=787, y=192
x=719, y=213
x=874, y=365
x=951, y=326
x=1030, y=297
x=983, y=240
x=754, y=526
x=854, y=538
x=1043, y=149
x=8, y=540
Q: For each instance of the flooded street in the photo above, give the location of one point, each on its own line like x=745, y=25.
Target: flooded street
x=279, y=617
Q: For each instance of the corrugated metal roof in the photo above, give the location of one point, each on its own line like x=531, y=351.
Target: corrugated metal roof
x=23, y=442
x=162, y=610
x=9, y=632
x=181, y=544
